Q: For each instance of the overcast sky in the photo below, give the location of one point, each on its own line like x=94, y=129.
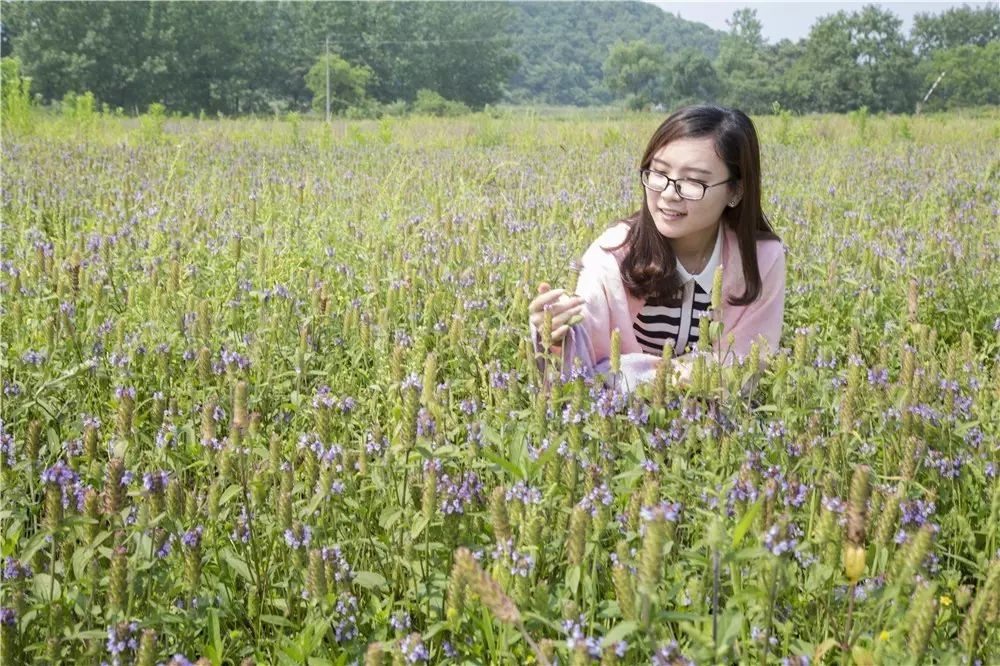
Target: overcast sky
x=792, y=20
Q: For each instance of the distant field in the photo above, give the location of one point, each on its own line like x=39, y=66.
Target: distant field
x=263, y=382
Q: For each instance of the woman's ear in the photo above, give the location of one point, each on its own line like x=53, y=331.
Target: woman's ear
x=737, y=196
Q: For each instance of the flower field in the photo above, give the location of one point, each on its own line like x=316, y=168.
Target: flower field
x=269, y=398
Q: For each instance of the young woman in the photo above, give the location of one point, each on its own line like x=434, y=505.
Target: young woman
x=650, y=275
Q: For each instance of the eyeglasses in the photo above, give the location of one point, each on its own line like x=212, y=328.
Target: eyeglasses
x=685, y=189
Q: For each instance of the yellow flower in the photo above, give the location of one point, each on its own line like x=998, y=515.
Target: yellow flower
x=945, y=600
x=884, y=636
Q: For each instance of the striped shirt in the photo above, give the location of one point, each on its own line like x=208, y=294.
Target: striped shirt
x=659, y=325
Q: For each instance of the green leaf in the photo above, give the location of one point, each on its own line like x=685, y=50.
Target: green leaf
x=229, y=493
x=506, y=465
x=745, y=522
x=46, y=588
x=369, y=579
x=276, y=620
x=621, y=630
x=418, y=526
x=823, y=648
x=573, y=578
x=238, y=565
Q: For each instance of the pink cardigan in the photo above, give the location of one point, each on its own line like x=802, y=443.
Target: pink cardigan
x=608, y=305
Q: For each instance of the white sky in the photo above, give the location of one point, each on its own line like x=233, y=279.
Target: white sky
x=792, y=20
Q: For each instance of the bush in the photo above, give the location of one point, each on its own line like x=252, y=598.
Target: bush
x=15, y=96
x=433, y=104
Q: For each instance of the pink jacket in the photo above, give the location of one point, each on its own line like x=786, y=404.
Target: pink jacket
x=608, y=306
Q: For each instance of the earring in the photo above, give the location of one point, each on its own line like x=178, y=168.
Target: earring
x=732, y=204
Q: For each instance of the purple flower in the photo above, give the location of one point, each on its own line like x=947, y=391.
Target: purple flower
x=400, y=621
x=411, y=381
x=413, y=649
x=600, y=496
x=32, y=357
x=299, y=537
x=155, y=483
x=61, y=475
x=664, y=511
x=524, y=493
x=14, y=570
x=456, y=495
x=192, y=538
x=671, y=655
x=121, y=640
x=7, y=446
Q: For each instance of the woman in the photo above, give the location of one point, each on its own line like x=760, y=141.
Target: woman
x=650, y=275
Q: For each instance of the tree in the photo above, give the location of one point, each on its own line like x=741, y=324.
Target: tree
x=971, y=75
x=855, y=60
x=637, y=70
x=692, y=79
x=347, y=83
x=748, y=81
x=958, y=26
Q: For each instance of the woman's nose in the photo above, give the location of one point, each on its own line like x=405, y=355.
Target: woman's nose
x=670, y=193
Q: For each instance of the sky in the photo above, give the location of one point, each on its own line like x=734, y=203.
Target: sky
x=792, y=20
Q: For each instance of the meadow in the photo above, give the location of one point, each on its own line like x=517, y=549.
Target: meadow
x=268, y=397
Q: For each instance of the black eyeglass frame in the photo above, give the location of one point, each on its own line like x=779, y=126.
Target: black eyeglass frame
x=675, y=182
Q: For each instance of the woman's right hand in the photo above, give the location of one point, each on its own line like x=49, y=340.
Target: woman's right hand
x=563, y=307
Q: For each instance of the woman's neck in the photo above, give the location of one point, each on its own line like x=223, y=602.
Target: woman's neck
x=694, y=251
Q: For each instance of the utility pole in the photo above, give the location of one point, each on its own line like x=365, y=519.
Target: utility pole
x=327, y=61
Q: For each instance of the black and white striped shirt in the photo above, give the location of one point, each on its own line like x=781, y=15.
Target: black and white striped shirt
x=659, y=325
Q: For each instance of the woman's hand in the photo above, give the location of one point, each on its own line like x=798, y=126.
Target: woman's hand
x=562, y=306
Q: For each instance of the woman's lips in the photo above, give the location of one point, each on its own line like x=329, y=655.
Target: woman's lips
x=671, y=214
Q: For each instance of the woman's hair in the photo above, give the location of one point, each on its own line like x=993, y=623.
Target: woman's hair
x=649, y=268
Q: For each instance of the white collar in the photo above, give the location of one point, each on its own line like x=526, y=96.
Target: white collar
x=704, y=279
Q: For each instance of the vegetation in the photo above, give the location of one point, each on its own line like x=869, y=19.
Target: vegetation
x=265, y=58
x=267, y=395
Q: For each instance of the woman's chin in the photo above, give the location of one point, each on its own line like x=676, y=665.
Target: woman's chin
x=668, y=230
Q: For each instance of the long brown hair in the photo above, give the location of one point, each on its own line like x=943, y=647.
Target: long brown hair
x=649, y=269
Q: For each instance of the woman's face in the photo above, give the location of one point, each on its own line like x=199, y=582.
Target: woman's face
x=690, y=159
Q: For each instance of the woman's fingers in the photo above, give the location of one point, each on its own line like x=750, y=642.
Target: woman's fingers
x=543, y=299
x=559, y=333
x=566, y=315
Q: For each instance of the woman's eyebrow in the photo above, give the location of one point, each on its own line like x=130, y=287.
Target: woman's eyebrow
x=692, y=169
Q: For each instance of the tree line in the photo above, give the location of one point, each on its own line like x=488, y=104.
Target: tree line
x=275, y=57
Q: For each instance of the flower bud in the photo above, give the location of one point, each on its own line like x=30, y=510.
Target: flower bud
x=616, y=352
x=204, y=365
x=114, y=487
x=920, y=620
x=241, y=418
x=854, y=561
x=622, y=579
x=118, y=579
x=33, y=443
x=146, y=656
x=576, y=540
x=858, y=504
x=316, y=583
x=499, y=516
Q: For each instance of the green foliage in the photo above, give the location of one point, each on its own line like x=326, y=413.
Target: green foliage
x=971, y=76
x=854, y=60
x=430, y=103
x=746, y=65
x=564, y=46
x=152, y=123
x=348, y=83
x=957, y=26
x=16, y=97
x=339, y=357
x=637, y=70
